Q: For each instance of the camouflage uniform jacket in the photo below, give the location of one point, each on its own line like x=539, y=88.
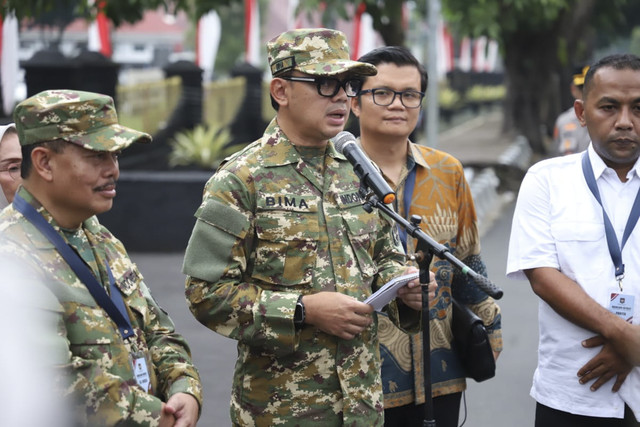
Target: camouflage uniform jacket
x=442, y=198
x=94, y=360
x=269, y=230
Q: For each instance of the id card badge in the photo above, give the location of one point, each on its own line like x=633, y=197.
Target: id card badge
x=141, y=371
x=622, y=305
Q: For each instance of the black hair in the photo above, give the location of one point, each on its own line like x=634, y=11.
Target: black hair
x=619, y=61
x=274, y=104
x=56, y=145
x=397, y=55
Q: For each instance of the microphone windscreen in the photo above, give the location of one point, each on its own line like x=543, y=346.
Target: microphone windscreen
x=342, y=139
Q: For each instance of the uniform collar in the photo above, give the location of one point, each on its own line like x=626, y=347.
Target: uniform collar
x=278, y=150
x=92, y=224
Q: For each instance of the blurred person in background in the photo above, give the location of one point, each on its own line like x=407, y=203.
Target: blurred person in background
x=569, y=136
x=27, y=350
x=10, y=160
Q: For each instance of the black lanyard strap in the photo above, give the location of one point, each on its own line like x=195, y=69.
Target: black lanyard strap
x=114, y=305
x=612, y=241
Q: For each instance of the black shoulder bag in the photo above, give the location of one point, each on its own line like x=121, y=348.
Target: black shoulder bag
x=471, y=342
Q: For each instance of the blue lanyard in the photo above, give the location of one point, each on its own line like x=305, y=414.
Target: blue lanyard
x=612, y=241
x=114, y=306
x=409, y=184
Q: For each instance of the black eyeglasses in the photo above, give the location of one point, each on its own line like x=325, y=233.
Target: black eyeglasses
x=383, y=96
x=329, y=86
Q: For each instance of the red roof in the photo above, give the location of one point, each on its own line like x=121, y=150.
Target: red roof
x=153, y=21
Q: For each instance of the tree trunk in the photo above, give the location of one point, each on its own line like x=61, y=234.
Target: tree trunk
x=577, y=42
x=528, y=74
x=388, y=21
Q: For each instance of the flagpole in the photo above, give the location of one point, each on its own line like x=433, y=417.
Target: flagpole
x=433, y=113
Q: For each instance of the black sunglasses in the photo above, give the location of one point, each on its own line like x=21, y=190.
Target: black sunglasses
x=329, y=86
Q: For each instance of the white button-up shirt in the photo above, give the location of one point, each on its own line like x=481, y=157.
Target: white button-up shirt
x=558, y=223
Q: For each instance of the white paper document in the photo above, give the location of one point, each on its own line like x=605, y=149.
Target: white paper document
x=388, y=291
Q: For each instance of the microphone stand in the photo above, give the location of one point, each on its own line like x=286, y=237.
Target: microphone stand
x=425, y=250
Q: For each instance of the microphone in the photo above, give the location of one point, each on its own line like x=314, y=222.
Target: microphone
x=363, y=167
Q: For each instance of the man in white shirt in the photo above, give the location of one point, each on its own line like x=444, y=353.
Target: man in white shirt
x=574, y=238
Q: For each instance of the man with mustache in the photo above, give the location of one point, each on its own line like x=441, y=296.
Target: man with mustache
x=283, y=253
x=119, y=359
x=574, y=237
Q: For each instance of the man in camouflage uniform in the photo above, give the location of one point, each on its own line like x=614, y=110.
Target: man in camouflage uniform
x=70, y=142
x=283, y=253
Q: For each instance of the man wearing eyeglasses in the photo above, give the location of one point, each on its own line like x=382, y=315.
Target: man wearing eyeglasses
x=10, y=161
x=431, y=184
x=283, y=253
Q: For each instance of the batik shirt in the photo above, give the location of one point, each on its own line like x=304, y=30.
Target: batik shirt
x=277, y=222
x=442, y=199
x=93, y=361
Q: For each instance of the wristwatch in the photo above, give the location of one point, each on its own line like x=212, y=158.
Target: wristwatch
x=299, y=315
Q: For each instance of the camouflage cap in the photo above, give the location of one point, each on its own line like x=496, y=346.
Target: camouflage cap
x=86, y=119
x=316, y=51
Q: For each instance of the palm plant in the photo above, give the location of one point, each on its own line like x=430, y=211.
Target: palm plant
x=203, y=146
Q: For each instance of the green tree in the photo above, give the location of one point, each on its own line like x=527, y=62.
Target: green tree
x=540, y=42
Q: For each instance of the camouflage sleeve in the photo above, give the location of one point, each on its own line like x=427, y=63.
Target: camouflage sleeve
x=390, y=260
x=106, y=398
x=110, y=400
x=216, y=259
x=170, y=354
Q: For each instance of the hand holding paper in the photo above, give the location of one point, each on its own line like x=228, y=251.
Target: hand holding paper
x=389, y=291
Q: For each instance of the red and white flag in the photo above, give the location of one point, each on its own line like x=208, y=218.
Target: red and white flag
x=492, y=56
x=444, y=50
x=464, y=62
x=9, y=66
x=207, y=41
x=365, y=38
x=480, y=55
x=99, y=36
x=293, y=20
x=252, y=32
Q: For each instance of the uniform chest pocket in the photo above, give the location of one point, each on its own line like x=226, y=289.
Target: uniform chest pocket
x=129, y=285
x=286, y=246
x=578, y=243
x=362, y=231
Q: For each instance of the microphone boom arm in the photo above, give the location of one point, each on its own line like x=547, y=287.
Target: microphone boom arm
x=433, y=247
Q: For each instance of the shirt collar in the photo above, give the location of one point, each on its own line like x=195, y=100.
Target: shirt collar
x=598, y=165
x=415, y=157
x=278, y=150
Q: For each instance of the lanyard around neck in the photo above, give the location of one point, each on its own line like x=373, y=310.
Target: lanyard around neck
x=114, y=305
x=409, y=184
x=612, y=241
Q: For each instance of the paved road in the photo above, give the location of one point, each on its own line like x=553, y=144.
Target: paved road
x=500, y=402
x=504, y=401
